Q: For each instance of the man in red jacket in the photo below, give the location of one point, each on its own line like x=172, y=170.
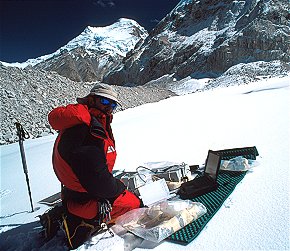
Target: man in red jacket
x=83, y=159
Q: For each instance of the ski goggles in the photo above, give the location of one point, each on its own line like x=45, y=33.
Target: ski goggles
x=105, y=101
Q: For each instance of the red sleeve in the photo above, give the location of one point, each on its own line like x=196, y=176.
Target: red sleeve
x=64, y=117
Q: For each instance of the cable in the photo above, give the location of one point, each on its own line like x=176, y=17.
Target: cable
x=137, y=170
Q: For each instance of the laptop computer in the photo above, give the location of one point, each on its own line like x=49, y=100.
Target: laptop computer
x=205, y=183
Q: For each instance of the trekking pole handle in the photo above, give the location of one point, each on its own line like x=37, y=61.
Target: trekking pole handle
x=21, y=132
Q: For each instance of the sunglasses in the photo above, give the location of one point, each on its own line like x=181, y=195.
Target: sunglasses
x=105, y=101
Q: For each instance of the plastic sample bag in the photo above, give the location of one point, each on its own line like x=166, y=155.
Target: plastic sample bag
x=161, y=220
x=238, y=164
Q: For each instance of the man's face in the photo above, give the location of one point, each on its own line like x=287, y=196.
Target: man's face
x=103, y=104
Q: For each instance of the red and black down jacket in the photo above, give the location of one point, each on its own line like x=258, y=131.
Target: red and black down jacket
x=84, y=154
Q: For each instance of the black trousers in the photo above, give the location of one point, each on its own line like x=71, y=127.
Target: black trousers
x=77, y=230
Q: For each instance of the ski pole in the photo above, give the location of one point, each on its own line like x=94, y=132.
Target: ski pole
x=23, y=134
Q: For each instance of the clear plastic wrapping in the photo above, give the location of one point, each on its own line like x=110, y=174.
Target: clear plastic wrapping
x=161, y=220
x=238, y=164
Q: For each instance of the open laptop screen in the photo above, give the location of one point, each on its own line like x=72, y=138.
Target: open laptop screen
x=212, y=164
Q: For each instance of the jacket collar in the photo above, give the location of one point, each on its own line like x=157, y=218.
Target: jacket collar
x=101, y=116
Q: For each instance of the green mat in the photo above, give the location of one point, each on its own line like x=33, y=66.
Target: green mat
x=227, y=181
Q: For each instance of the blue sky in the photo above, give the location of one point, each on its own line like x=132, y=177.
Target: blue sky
x=32, y=28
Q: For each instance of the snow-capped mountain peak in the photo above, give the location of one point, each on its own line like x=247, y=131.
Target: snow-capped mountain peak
x=116, y=40
x=119, y=37
x=90, y=55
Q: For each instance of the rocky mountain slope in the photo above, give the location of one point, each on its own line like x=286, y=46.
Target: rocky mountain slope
x=27, y=96
x=239, y=74
x=205, y=38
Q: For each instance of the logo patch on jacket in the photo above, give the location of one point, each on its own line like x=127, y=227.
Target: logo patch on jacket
x=111, y=149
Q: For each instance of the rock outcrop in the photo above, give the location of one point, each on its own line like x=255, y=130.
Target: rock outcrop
x=205, y=38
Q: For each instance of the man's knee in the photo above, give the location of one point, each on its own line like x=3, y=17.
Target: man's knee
x=127, y=200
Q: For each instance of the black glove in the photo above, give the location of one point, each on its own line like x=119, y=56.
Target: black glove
x=96, y=129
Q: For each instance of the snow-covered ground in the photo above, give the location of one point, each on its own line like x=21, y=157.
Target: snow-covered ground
x=178, y=129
